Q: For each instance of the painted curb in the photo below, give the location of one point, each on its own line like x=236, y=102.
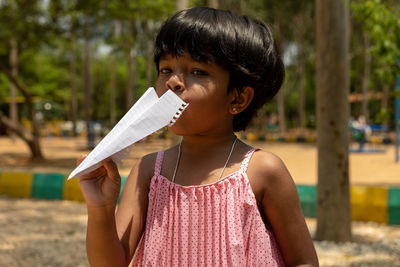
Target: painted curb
x=368, y=203
x=374, y=140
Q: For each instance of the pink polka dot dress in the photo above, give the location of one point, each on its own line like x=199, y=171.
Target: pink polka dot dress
x=217, y=224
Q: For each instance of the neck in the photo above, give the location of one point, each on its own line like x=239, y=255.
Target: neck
x=205, y=144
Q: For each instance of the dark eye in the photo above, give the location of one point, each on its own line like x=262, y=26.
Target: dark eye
x=165, y=71
x=199, y=72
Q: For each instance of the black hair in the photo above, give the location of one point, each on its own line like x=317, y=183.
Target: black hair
x=243, y=46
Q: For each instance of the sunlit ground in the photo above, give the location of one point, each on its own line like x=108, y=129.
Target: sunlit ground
x=52, y=233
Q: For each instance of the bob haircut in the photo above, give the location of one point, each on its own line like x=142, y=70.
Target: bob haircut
x=243, y=46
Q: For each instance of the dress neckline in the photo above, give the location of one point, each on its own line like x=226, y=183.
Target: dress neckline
x=240, y=172
x=227, y=177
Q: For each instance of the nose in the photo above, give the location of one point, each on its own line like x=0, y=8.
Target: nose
x=175, y=83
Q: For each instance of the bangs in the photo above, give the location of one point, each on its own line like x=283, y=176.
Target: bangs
x=196, y=34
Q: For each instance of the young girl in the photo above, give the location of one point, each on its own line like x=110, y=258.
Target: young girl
x=212, y=200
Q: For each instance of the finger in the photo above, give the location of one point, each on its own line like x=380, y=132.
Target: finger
x=80, y=159
x=112, y=169
x=97, y=173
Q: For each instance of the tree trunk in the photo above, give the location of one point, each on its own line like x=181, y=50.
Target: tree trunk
x=113, y=74
x=135, y=71
x=385, y=103
x=74, y=96
x=23, y=133
x=14, y=72
x=302, y=94
x=131, y=93
x=281, y=111
x=149, y=52
x=181, y=4
x=332, y=81
x=212, y=3
x=32, y=138
x=129, y=81
x=87, y=85
x=366, y=76
x=113, y=115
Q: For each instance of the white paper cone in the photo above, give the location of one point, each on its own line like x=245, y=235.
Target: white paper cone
x=149, y=114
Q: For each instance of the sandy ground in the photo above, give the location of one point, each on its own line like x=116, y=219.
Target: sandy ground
x=52, y=233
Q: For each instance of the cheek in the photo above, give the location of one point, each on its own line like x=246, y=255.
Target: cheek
x=160, y=88
x=160, y=92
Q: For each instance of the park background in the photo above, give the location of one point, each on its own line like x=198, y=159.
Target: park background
x=74, y=68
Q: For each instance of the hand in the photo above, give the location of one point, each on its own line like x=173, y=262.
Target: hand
x=101, y=187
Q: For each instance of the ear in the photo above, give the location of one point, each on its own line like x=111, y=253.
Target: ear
x=241, y=99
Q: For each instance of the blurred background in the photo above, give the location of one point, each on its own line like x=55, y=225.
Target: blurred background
x=77, y=65
x=70, y=69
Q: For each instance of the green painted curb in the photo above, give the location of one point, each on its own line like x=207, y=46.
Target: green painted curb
x=308, y=196
x=123, y=182
x=51, y=186
x=48, y=185
x=394, y=205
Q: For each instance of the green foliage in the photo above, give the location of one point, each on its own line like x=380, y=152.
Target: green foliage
x=383, y=26
x=382, y=116
x=4, y=88
x=46, y=30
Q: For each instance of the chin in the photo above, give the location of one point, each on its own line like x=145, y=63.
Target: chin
x=176, y=130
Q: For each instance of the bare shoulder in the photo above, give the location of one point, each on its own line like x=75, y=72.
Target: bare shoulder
x=147, y=163
x=132, y=209
x=280, y=203
x=135, y=191
x=268, y=174
x=143, y=169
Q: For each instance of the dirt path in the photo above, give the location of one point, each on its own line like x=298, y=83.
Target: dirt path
x=52, y=233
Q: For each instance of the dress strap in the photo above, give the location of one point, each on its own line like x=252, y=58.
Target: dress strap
x=159, y=160
x=246, y=159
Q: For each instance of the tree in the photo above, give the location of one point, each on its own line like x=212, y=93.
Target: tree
x=380, y=25
x=212, y=3
x=294, y=34
x=30, y=137
x=14, y=72
x=302, y=27
x=332, y=85
x=181, y=4
x=23, y=35
x=74, y=93
x=139, y=22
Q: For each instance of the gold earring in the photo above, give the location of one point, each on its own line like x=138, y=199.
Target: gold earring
x=235, y=110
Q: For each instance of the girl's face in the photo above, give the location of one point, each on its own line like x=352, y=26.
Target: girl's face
x=204, y=86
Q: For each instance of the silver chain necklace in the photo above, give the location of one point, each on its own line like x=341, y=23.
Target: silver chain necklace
x=179, y=157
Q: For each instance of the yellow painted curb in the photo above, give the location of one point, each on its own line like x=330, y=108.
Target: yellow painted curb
x=16, y=184
x=310, y=139
x=290, y=138
x=252, y=137
x=369, y=204
x=72, y=190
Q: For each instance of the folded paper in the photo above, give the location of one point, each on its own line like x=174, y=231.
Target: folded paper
x=149, y=114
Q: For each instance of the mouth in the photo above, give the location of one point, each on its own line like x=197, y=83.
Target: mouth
x=178, y=114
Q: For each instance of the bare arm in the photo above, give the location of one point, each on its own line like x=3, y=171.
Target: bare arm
x=111, y=237
x=132, y=209
x=282, y=208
